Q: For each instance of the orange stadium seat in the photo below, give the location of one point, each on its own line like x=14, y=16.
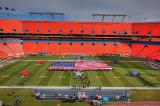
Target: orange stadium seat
x=118, y=28
x=136, y=48
x=124, y=49
x=52, y=48
x=88, y=49
x=136, y=28
x=56, y=27
x=112, y=48
x=155, y=55
x=15, y=24
x=76, y=48
x=127, y=27
x=35, y=27
x=145, y=29
x=45, y=27
x=156, y=30
x=3, y=55
x=100, y=48
x=64, y=48
x=108, y=28
x=76, y=27
x=40, y=47
x=28, y=46
x=98, y=28
x=87, y=26
x=16, y=47
x=4, y=24
x=5, y=49
x=149, y=50
x=65, y=27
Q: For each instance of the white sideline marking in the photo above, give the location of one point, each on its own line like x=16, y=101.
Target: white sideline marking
x=70, y=87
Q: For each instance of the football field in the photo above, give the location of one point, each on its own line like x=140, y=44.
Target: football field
x=40, y=75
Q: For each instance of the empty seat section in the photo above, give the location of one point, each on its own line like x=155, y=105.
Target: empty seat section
x=136, y=48
x=5, y=49
x=136, y=27
x=98, y=28
x=3, y=55
x=108, y=28
x=64, y=48
x=76, y=28
x=87, y=28
x=76, y=48
x=124, y=49
x=26, y=26
x=34, y=27
x=88, y=49
x=145, y=29
x=16, y=25
x=56, y=27
x=66, y=27
x=112, y=48
x=40, y=47
x=52, y=48
x=6, y=26
x=149, y=50
x=16, y=47
x=156, y=30
x=45, y=27
x=127, y=27
x=118, y=28
x=28, y=46
x=100, y=48
x=155, y=55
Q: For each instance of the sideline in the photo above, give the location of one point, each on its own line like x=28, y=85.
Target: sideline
x=70, y=87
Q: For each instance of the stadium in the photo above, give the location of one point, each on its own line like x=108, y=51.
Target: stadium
x=62, y=63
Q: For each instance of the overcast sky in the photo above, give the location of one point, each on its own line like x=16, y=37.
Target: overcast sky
x=81, y=10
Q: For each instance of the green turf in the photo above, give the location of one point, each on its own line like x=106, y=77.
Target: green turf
x=145, y=95
x=40, y=76
x=27, y=99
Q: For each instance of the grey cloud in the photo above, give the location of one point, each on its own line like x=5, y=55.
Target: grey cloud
x=81, y=10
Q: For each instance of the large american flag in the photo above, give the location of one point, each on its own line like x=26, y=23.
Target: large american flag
x=84, y=66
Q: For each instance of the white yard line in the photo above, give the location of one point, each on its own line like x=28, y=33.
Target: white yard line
x=89, y=79
x=70, y=78
x=35, y=74
x=125, y=77
x=16, y=76
x=70, y=87
x=99, y=79
x=10, y=68
x=41, y=79
x=61, y=79
x=108, y=79
x=51, y=78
